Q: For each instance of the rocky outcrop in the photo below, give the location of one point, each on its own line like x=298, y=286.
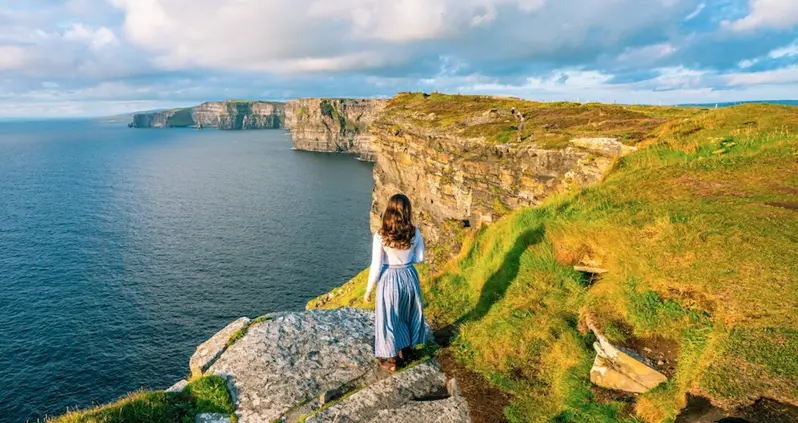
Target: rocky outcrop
x=333, y=125
x=418, y=391
x=318, y=366
x=230, y=114
x=207, y=353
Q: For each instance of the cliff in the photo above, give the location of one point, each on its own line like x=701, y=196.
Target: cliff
x=229, y=114
x=646, y=284
x=333, y=125
x=467, y=160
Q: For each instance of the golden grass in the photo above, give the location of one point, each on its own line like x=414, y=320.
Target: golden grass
x=698, y=230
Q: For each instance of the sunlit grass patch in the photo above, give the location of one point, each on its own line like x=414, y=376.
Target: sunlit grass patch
x=203, y=395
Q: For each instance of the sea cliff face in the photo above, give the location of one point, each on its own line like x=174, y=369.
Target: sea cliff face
x=333, y=125
x=217, y=114
x=458, y=178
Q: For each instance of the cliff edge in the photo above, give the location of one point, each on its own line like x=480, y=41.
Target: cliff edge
x=651, y=281
x=231, y=114
x=334, y=125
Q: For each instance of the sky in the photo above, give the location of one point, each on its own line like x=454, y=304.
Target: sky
x=103, y=57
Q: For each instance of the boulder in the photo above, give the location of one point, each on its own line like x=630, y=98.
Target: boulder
x=207, y=353
x=621, y=369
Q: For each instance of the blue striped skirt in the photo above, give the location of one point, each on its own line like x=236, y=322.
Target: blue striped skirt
x=399, y=320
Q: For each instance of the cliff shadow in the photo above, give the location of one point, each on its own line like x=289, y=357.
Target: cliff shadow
x=496, y=286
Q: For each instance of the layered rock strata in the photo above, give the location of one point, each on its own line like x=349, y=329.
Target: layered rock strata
x=217, y=114
x=333, y=125
x=458, y=182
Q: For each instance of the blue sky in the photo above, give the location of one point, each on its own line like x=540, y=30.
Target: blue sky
x=101, y=57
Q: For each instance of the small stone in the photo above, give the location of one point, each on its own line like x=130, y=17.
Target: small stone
x=178, y=387
x=660, y=363
x=647, y=349
x=591, y=270
x=212, y=418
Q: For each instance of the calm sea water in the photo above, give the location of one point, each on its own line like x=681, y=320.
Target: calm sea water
x=121, y=250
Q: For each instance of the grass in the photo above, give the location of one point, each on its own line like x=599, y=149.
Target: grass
x=203, y=395
x=550, y=125
x=700, y=249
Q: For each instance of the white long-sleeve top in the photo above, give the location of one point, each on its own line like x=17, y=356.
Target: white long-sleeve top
x=388, y=256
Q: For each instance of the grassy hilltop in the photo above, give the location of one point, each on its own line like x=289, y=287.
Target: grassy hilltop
x=698, y=231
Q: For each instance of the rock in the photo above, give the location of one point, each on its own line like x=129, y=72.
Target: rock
x=333, y=125
x=207, y=353
x=178, y=386
x=293, y=358
x=606, y=146
x=441, y=411
x=291, y=366
x=591, y=270
x=212, y=418
x=416, y=394
x=620, y=369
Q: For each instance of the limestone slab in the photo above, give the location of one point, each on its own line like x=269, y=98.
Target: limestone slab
x=210, y=350
x=291, y=359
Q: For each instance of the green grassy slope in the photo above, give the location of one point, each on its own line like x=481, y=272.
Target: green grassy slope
x=698, y=231
x=203, y=395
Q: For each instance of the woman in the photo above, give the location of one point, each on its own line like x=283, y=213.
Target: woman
x=399, y=322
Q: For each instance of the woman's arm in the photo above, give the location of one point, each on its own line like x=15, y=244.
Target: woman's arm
x=418, y=253
x=376, y=265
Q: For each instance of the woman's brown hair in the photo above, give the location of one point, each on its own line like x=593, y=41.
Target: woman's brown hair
x=397, y=229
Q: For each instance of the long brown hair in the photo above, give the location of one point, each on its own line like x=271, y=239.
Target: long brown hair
x=397, y=229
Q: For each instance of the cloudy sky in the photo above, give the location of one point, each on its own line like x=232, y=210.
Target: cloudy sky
x=101, y=57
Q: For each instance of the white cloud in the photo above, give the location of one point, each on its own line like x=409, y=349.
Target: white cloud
x=747, y=63
x=97, y=39
x=306, y=35
x=646, y=54
x=776, y=76
x=781, y=14
x=694, y=14
x=786, y=51
x=12, y=57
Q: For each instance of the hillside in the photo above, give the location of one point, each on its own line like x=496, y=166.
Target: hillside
x=697, y=233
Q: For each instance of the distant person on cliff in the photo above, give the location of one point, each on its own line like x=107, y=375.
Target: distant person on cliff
x=399, y=322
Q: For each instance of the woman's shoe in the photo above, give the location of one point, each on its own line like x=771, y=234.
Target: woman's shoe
x=388, y=364
x=407, y=355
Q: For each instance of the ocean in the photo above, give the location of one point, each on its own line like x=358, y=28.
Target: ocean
x=122, y=249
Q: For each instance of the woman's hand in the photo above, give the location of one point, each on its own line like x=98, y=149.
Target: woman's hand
x=367, y=297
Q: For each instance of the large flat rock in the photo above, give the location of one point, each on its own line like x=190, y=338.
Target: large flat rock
x=291, y=359
x=210, y=350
